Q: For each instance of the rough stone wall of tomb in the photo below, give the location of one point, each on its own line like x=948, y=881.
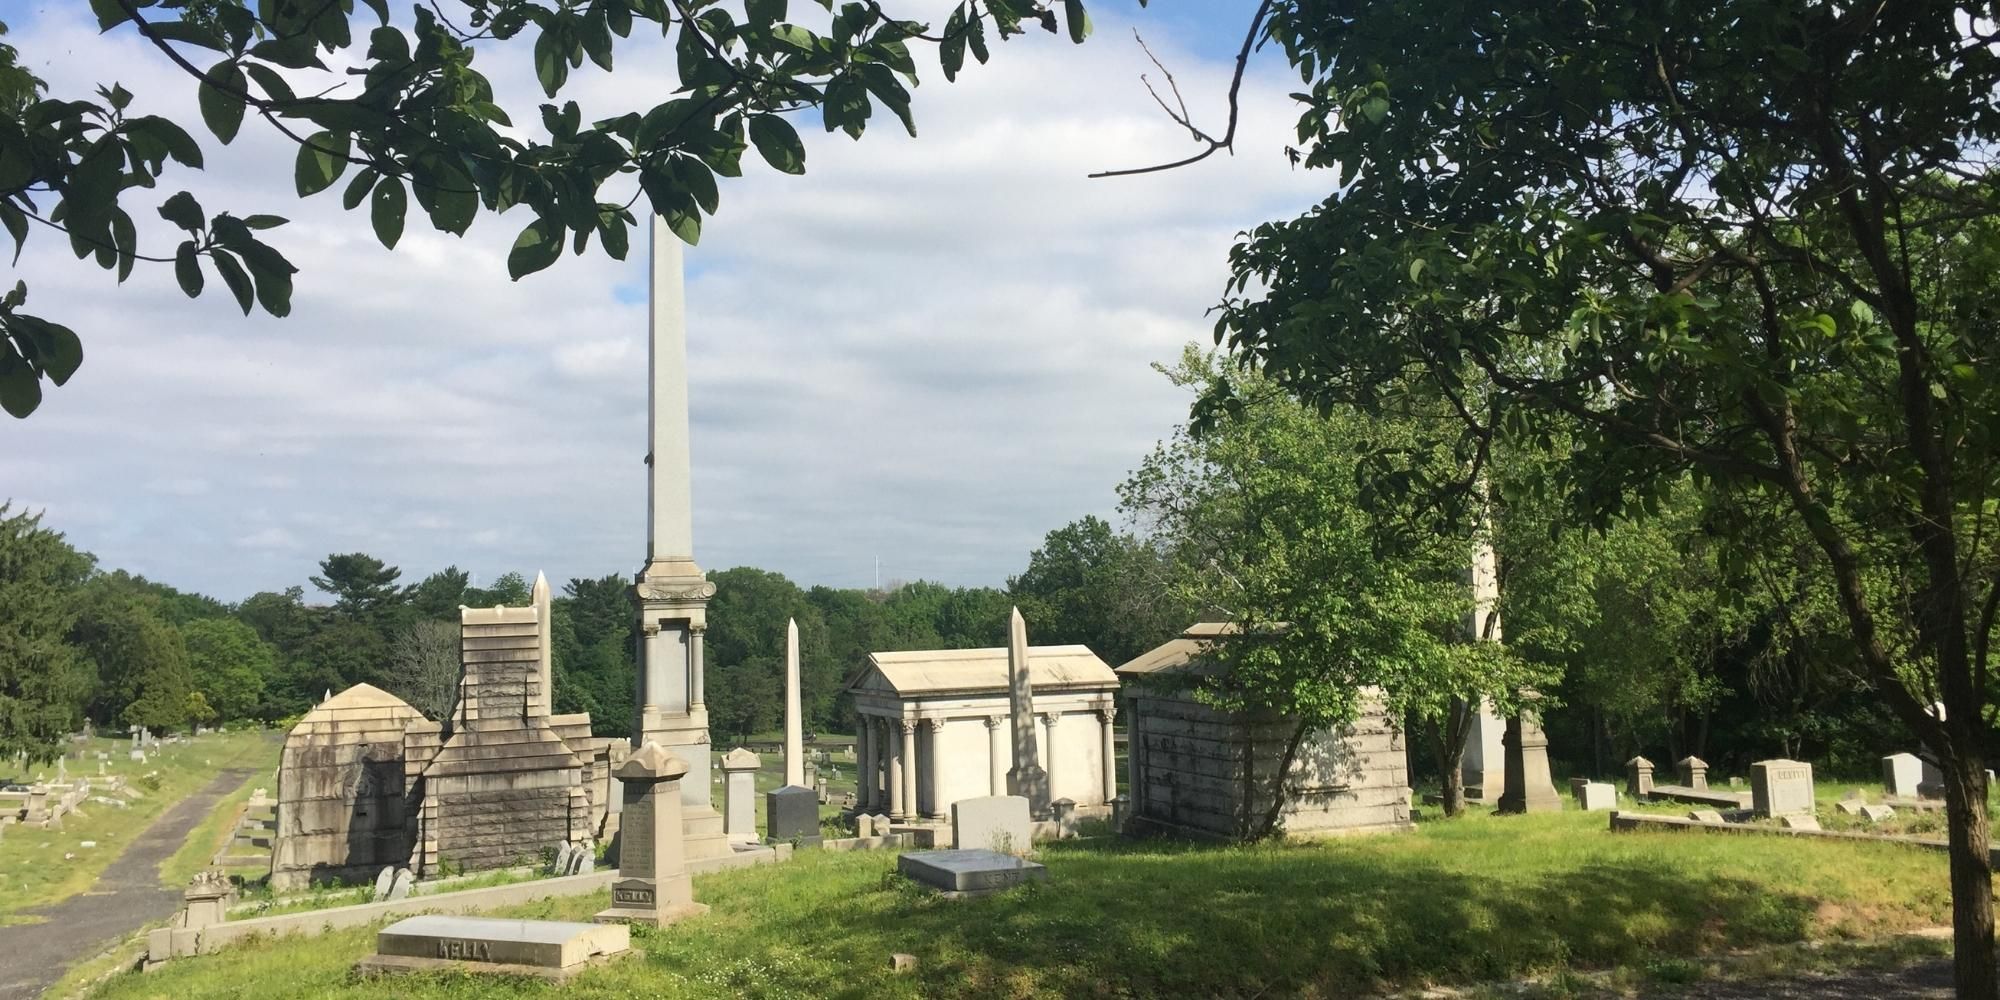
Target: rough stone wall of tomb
x=494, y=827
x=1208, y=772
x=342, y=809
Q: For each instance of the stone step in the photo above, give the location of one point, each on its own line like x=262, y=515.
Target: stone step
x=244, y=861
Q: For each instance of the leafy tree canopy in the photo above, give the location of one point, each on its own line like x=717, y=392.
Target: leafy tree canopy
x=395, y=113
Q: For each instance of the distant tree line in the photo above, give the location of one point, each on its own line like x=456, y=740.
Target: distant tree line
x=81, y=642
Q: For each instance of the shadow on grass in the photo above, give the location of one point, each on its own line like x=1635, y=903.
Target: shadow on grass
x=1165, y=919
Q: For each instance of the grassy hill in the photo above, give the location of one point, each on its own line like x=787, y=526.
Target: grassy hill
x=1484, y=898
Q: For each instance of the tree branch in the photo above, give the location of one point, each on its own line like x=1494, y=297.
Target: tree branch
x=1228, y=140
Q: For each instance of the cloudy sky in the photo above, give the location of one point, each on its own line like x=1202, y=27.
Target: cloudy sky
x=928, y=352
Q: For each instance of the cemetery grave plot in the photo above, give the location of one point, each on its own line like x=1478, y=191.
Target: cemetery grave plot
x=1475, y=900
x=33, y=870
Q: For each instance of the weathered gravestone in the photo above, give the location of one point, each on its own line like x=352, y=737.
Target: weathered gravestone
x=545, y=948
x=1901, y=773
x=1705, y=816
x=584, y=861
x=1850, y=807
x=1781, y=788
x=1877, y=814
x=1692, y=772
x=383, y=880
x=739, y=795
x=993, y=822
x=653, y=886
x=400, y=888
x=1799, y=822
x=1596, y=796
x=791, y=816
x=961, y=873
x=1639, y=778
x=565, y=853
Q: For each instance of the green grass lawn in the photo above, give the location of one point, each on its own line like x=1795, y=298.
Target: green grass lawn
x=32, y=869
x=1478, y=899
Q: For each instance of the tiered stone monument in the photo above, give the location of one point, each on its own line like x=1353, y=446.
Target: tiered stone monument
x=505, y=786
x=1529, y=787
x=671, y=591
x=653, y=885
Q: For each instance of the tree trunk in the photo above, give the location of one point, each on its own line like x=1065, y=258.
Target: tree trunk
x=1973, y=968
x=1448, y=745
x=1268, y=823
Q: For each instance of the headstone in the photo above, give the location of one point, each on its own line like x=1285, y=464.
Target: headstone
x=959, y=873
x=864, y=825
x=1781, y=788
x=819, y=790
x=383, y=881
x=1639, y=778
x=1705, y=816
x=400, y=888
x=1597, y=796
x=739, y=795
x=791, y=816
x=901, y=962
x=1901, y=773
x=1877, y=813
x=559, y=866
x=137, y=756
x=1026, y=778
x=1850, y=807
x=1799, y=822
x=1931, y=783
x=584, y=862
x=1529, y=788
x=207, y=900
x=653, y=886
x=993, y=822
x=1692, y=772
x=547, y=948
x=847, y=800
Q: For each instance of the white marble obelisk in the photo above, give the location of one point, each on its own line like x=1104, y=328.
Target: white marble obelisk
x=672, y=591
x=1482, y=767
x=1027, y=778
x=545, y=627
x=795, y=740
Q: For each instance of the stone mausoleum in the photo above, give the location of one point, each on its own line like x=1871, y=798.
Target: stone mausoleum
x=934, y=729
x=1197, y=771
x=367, y=782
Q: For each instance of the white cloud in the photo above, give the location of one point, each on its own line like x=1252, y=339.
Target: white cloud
x=929, y=351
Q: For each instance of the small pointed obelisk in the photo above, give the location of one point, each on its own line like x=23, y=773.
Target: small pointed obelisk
x=545, y=698
x=795, y=742
x=1026, y=778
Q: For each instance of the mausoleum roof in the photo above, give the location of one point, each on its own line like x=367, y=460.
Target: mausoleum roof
x=1184, y=654
x=982, y=671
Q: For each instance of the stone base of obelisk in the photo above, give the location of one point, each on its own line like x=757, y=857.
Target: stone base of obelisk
x=686, y=737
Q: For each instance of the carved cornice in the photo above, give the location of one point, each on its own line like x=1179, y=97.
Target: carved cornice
x=937, y=725
x=995, y=721
x=675, y=590
x=909, y=726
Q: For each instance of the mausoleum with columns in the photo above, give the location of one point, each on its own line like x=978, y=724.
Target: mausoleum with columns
x=933, y=729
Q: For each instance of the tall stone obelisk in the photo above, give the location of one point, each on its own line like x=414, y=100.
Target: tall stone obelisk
x=671, y=591
x=795, y=740
x=1483, y=767
x=1026, y=778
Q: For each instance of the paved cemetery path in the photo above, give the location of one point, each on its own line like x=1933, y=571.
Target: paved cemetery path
x=126, y=897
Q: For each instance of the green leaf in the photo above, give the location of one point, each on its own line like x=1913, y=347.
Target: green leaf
x=233, y=276
x=187, y=268
x=126, y=239
x=551, y=63
x=183, y=211
x=20, y=388
x=794, y=36
x=264, y=221
x=274, y=85
x=110, y=14
x=695, y=179
x=764, y=11
x=537, y=247
x=1078, y=20
x=951, y=52
x=778, y=143
x=685, y=222
x=221, y=107
x=179, y=144
x=1416, y=268
x=322, y=159
x=387, y=209
x=17, y=226
x=273, y=274
x=1375, y=108
x=611, y=232
x=357, y=189
x=62, y=352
